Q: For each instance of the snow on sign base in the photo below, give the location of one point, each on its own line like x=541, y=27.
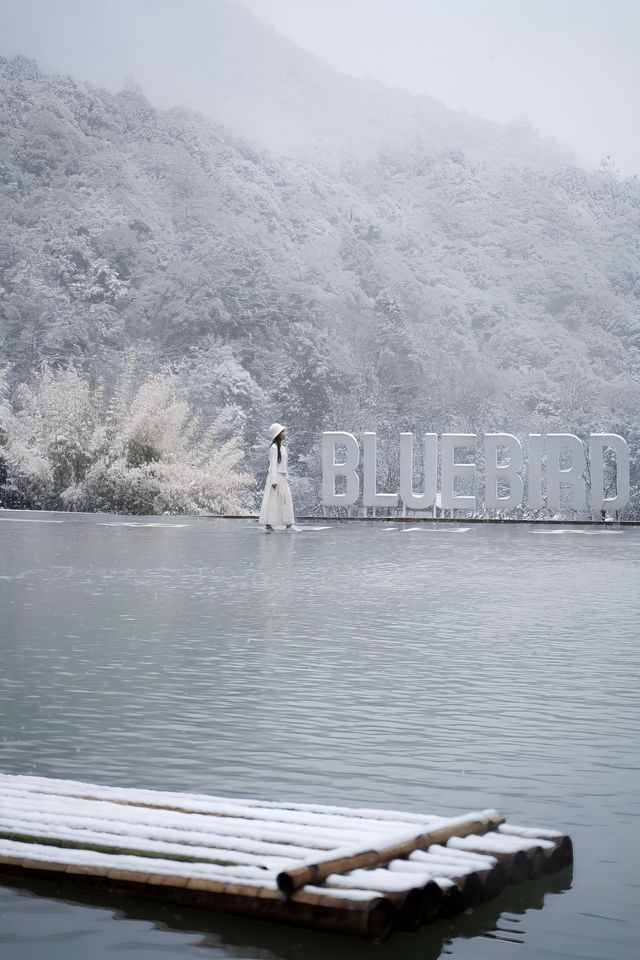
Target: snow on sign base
x=353, y=871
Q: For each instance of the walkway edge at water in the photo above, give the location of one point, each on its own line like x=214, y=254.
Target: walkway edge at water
x=318, y=517
x=613, y=524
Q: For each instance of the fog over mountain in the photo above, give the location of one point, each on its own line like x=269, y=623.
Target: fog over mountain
x=569, y=66
x=214, y=56
x=319, y=250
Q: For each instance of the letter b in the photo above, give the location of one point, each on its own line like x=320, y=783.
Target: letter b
x=348, y=468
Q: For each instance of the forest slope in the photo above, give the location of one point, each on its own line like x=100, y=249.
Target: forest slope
x=411, y=288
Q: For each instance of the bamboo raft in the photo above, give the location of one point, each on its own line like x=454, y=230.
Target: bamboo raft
x=362, y=872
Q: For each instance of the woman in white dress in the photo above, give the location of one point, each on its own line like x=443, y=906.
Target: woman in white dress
x=277, y=503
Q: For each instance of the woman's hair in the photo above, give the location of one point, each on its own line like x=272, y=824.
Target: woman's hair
x=278, y=441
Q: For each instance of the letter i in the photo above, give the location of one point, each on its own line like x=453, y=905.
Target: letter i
x=535, y=471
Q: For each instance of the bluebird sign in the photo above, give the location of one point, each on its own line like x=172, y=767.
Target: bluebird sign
x=559, y=465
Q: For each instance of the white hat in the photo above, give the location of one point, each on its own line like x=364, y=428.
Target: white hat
x=275, y=429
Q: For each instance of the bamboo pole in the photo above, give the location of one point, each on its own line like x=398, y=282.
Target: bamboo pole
x=463, y=894
x=453, y=902
x=189, y=843
x=516, y=865
x=372, y=917
x=283, y=817
x=561, y=856
x=515, y=862
x=494, y=880
x=432, y=907
x=420, y=904
x=319, y=817
x=182, y=831
x=465, y=878
x=471, y=886
x=316, y=837
x=536, y=859
x=291, y=880
x=320, y=835
x=410, y=906
x=418, y=901
x=454, y=866
x=557, y=857
x=118, y=845
x=527, y=859
x=305, y=814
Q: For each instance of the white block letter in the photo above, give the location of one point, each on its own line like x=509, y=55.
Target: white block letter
x=419, y=501
x=598, y=442
x=348, y=468
x=451, y=470
x=494, y=471
x=370, y=498
x=573, y=475
x=535, y=471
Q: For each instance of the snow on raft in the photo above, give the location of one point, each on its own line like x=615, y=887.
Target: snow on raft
x=358, y=871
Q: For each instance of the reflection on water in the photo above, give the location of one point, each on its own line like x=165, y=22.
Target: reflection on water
x=356, y=664
x=502, y=919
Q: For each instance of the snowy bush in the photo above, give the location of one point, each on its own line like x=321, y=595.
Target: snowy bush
x=51, y=431
x=147, y=454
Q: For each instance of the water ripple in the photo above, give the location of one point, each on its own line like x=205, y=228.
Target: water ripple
x=437, y=673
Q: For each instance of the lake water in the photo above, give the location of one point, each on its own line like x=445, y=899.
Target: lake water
x=439, y=669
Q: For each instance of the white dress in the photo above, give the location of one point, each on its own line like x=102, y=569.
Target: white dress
x=277, y=504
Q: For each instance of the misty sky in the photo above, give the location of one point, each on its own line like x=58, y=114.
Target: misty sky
x=570, y=66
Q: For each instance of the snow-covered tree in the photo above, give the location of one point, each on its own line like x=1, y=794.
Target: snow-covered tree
x=52, y=434
x=469, y=277
x=147, y=454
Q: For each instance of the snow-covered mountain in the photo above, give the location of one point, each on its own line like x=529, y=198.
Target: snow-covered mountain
x=461, y=276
